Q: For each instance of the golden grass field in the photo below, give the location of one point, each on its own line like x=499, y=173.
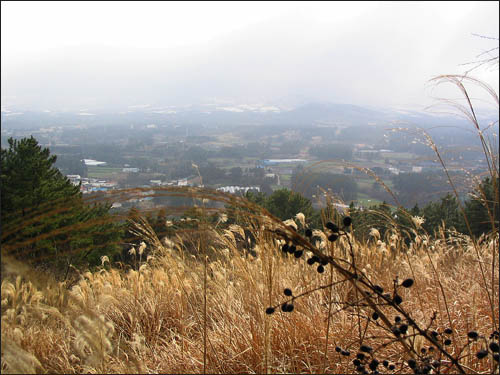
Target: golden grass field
x=153, y=319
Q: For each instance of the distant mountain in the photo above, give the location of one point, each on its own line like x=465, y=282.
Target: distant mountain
x=310, y=114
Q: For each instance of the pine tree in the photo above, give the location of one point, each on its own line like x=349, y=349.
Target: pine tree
x=44, y=218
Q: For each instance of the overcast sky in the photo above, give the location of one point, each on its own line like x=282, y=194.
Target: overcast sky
x=88, y=55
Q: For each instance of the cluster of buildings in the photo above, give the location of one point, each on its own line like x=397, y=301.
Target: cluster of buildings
x=238, y=189
x=91, y=185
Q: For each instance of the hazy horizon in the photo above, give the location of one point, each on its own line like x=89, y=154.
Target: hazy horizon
x=75, y=56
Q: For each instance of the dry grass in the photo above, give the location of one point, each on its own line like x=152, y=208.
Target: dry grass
x=151, y=320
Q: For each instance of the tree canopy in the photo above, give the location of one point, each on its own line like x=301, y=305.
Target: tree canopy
x=44, y=217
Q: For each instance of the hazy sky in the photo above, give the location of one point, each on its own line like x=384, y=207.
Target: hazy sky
x=87, y=55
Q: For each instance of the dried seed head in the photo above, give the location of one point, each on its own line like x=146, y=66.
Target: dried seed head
x=287, y=292
x=361, y=369
x=375, y=316
x=385, y=363
x=332, y=227
x=397, y=319
x=289, y=308
x=338, y=349
x=397, y=299
x=447, y=342
x=333, y=237
x=391, y=367
x=356, y=362
x=270, y=310
x=360, y=356
x=412, y=363
x=425, y=369
x=378, y=289
x=284, y=248
x=345, y=353
x=298, y=253
x=473, y=335
x=403, y=328
x=373, y=364
x=448, y=331
x=347, y=221
x=494, y=347
x=365, y=348
x=481, y=354
x=407, y=283
x=395, y=330
x=320, y=269
x=311, y=261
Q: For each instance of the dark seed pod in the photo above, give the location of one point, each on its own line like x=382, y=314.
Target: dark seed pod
x=378, y=289
x=360, y=356
x=284, y=248
x=347, y=221
x=375, y=316
x=395, y=330
x=292, y=249
x=309, y=232
x=481, y=354
x=333, y=237
x=473, y=335
x=345, y=353
x=423, y=350
x=289, y=308
x=436, y=363
x=311, y=261
x=385, y=363
x=397, y=299
x=356, y=362
x=320, y=269
x=391, y=367
x=365, y=348
x=387, y=296
x=373, y=364
x=448, y=331
x=361, y=369
x=397, y=319
x=425, y=369
x=412, y=363
x=494, y=347
x=284, y=307
x=407, y=283
x=434, y=334
x=270, y=310
x=447, y=342
x=324, y=262
x=495, y=357
x=298, y=253
x=332, y=227
x=287, y=292
x=403, y=328
x=338, y=349
x=316, y=259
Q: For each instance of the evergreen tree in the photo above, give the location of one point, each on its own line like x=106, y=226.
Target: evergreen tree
x=44, y=218
x=482, y=210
